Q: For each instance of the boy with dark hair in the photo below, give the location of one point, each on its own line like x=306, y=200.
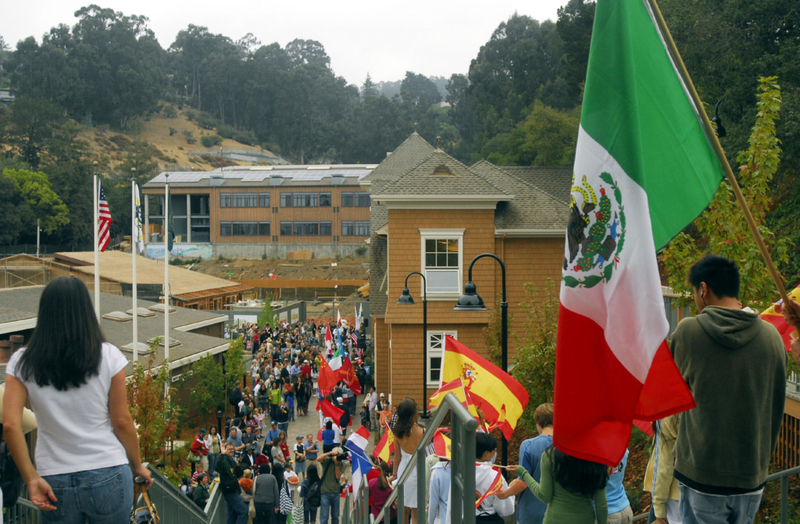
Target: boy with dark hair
x=492, y=509
x=735, y=365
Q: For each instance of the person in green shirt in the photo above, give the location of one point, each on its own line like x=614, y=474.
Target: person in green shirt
x=329, y=490
x=568, y=487
x=201, y=491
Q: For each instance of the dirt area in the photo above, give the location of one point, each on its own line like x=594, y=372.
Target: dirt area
x=173, y=149
x=315, y=269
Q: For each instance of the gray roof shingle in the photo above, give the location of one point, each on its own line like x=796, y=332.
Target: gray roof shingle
x=408, y=155
x=555, y=181
x=441, y=174
x=532, y=208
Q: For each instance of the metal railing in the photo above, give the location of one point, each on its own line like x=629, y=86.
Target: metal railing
x=172, y=505
x=783, y=476
x=23, y=512
x=462, y=476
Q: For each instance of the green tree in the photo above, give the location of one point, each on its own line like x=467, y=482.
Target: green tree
x=70, y=172
x=535, y=367
x=151, y=405
x=34, y=189
x=13, y=217
x=234, y=365
x=575, y=21
x=29, y=124
x=208, y=393
x=546, y=137
x=267, y=315
x=722, y=229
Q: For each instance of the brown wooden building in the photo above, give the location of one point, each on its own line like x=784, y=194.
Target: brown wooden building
x=282, y=208
x=433, y=214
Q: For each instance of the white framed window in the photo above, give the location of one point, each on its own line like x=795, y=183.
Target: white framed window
x=436, y=356
x=442, y=262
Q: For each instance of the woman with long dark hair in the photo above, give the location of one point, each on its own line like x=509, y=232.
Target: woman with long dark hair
x=407, y=436
x=283, y=492
x=568, y=487
x=75, y=382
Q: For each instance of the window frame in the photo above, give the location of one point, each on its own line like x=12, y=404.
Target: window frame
x=328, y=195
x=268, y=198
x=363, y=195
x=436, y=353
x=222, y=200
x=305, y=197
x=362, y=224
x=284, y=196
x=229, y=226
x=351, y=194
x=269, y=228
x=282, y=224
x=352, y=224
x=245, y=200
x=330, y=228
x=303, y=224
x=442, y=234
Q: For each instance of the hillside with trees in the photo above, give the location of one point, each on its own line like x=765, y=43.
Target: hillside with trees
x=106, y=76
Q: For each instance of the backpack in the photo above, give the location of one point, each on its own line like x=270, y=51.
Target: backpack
x=314, y=495
x=10, y=477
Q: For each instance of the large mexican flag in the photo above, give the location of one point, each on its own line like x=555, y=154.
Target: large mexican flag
x=644, y=169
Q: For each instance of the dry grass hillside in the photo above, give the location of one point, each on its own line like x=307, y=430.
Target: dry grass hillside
x=168, y=134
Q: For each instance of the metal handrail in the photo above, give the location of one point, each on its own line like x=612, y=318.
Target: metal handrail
x=172, y=505
x=463, y=427
x=783, y=476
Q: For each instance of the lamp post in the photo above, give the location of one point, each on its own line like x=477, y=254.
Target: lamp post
x=471, y=301
x=219, y=423
x=406, y=300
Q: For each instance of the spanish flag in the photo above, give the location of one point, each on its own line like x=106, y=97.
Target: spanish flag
x=487, y=385
x=774, y=315
x=385, y=447
x=442, y=446
x=456, y=387
x=497, y=485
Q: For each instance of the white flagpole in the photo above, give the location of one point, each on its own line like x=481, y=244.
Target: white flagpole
x=134, y=248
x=166, y=266
x=96, y=247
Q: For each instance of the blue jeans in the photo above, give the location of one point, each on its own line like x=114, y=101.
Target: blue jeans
x=284, y=426
x=212, y=463
x=237, y=509
x=700, y=508
x=96, y=496
x=329, y=507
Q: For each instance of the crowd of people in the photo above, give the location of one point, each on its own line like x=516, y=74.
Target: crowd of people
x=708, y=464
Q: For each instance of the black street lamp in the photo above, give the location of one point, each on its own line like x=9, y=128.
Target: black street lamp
x=471, y=301
x=219, y=423
x=406, y=300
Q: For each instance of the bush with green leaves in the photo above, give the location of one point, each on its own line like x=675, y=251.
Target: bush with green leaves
x=225, y=131
x=210, y=140
x=535, y=367
x=190, y=139
x=245, y=137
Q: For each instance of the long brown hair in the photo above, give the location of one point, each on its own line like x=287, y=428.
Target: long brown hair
x=406, y=418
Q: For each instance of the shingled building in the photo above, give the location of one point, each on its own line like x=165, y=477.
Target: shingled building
x=433, y=214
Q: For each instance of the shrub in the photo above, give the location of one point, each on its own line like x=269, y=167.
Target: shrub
x=361, y=251
x=190, y=115
x=170, y=111
x=225, y=131
x=206, y=122
x=211, y=140
x=190, y=139
x=245, y=137
x=172, y=131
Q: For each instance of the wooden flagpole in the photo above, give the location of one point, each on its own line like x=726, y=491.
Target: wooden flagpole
x=714, y=141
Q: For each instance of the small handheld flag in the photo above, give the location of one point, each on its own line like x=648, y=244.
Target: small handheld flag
x=497, y=485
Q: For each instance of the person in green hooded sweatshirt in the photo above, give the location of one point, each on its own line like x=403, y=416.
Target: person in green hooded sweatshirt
x=735, y=365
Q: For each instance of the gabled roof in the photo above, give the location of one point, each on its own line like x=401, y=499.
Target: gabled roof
x=407, y=156
x=442, y=175
x=532, y=208
x=555, y=181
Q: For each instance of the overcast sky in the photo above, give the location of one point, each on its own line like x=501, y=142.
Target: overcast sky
x=384, y=39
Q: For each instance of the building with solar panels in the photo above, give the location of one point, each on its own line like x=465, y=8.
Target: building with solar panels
x=261, y=210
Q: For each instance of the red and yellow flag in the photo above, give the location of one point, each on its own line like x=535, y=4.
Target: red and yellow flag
x=442, y=446
x=497, y=485
x=385, y=447
x=456, y=387
x=774, y=315
x=489, y=387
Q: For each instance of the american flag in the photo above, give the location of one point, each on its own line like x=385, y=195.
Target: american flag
x=354, y=338
x=103, y=221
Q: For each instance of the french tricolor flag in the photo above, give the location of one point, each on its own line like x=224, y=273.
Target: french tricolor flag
x=358, y=441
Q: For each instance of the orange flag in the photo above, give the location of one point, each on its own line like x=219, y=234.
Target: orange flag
x=489, y=386
x=385, y=447
x=497, y=485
